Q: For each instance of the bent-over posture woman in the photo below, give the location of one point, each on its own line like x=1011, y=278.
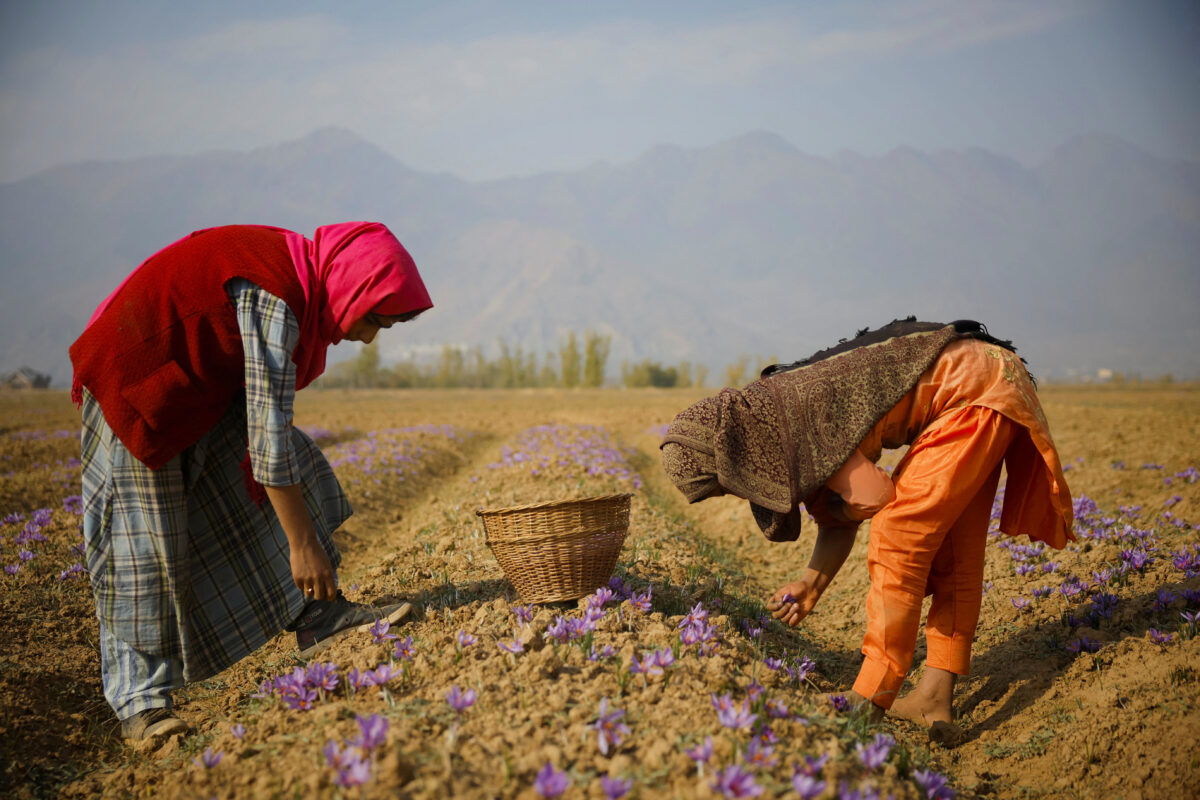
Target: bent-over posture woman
x=208, y=517
x=811, y=432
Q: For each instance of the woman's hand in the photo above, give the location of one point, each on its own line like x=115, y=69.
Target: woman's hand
x=792, y=602
x=312, y=571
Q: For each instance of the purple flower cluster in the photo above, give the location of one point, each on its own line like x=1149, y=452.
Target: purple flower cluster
x=303, y=687
x=352, y=759
x=578, y=449
x=695, y=629
x=395, y=452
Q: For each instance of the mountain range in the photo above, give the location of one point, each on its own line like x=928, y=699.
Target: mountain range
x=1089, y=260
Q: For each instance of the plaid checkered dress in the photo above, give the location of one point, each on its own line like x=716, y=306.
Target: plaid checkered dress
x=183, y=563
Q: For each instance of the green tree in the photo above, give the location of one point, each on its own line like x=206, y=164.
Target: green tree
x=366, y=367
x=595, y=358
x=569, y=361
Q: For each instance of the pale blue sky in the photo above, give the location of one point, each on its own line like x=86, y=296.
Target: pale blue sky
x=487, y=89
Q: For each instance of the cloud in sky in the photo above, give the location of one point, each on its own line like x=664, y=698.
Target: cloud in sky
x=484, y=89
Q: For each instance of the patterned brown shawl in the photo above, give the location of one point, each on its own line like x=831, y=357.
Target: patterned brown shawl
x=779, y=439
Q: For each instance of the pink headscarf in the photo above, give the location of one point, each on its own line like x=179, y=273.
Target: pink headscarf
x=348, y=270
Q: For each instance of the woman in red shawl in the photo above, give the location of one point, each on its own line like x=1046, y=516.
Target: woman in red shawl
x=208, y=517
x=811, y=432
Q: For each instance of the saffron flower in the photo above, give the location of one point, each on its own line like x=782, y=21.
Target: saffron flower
x=464, y=640
x=600, y=597
x=549, y=782
x=404, y=649
x=379, y=631
x=875, y=754
x=733, y=781
x=208, y=759
x=777, y=709
x=840, y=703
x=1021, y=603
x=760, y=755
x=382, y=674
x=459, y=700
x=772, y=664
x=609, y=728
x=514, y=646
x=238, y=730
x=641, y=601
x=604, y=652
x=696, y=616
x=615, y=788
x=322, y=676
x=812, y=765
x=524, y=614
x=372, y=731
x=933, y=784
x=1083, y=644
x=1159, y=637
x=731, y=717
x=701, y=753
x=807, y=786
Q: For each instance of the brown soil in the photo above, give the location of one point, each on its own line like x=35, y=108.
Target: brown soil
x=1041, y=720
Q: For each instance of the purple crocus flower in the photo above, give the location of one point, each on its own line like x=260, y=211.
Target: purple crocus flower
x=1021, y=603
x=812, y=765
x=759, y=755
x=807, y=786
x=404, y=649
x=777, y=709
x=604, y=652
x=696, y=616
x=353, y=772
x=372, y=731
x=465, y=640
x=840, y=702
x=238, y=730
x=459, y=700
x=322, y=676
x=772, y=664
x=934, y=785
x=1159, y=637
x=379, y=631
x=382, y=674
x=208, y=759
x=701, y=752
x=615, y=788
x=610, y=730
x=733, y=781
x=600, y=597
x=736, y=718
x=641, y=601
x=514, y=646
x=549, y=782
x=875, y=754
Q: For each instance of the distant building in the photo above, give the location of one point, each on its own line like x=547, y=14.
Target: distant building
x=25, y=378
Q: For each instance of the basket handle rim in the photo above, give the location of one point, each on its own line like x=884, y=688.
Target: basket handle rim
x=481, y=512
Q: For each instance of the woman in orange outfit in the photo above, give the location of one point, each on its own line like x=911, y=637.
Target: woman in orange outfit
x=811, y=432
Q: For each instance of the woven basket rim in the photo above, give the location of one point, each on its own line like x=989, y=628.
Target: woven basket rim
x=595, y=499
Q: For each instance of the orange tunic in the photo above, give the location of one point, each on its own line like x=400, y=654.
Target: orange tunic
x=970, y=413
x=969, y=372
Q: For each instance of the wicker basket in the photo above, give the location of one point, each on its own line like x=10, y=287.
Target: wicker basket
x=560, y=550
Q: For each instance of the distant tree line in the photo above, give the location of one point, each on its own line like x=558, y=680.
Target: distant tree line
x=580, y=361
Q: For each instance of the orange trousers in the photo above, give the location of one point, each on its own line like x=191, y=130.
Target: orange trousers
x=930, y=540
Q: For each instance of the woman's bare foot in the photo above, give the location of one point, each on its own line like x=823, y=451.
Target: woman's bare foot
x=929, y=705
x=919, y=709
